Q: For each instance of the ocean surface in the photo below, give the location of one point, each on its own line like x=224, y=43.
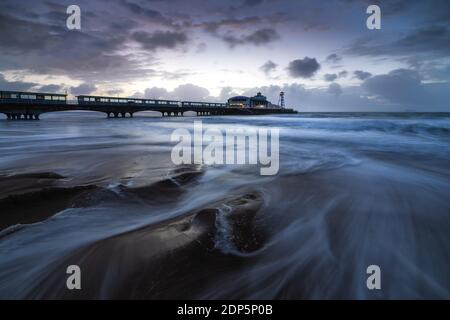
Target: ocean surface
x=353, y=190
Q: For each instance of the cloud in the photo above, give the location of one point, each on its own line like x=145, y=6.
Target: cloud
x=149, y=14
x=156, y=93
x=252, y=3
x=398, y=90
x=334, y=89
x=51, y=88
x=114, y=92
x=362, y=75
x=189, y=92
x=398, y=86
x=232, y=24
x=333, y=58
x=432, y=41
x=330, y=77
x=268, y=67
x=39, y=47
x=15, y=85
x=230, y=30
x=257, y=38
x=342, y=74
x=226, y=93
x=303, y=68
x=317, y=99
x=262, y=36
x=404, y=87
x=84, y=88
x=390, y=7
x=160, y=39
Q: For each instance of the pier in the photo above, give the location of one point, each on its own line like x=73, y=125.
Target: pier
x=30, y=105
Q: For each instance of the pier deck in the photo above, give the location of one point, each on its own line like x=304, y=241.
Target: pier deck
x=27, y=108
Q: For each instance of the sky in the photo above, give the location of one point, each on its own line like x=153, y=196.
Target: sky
x=320, y=53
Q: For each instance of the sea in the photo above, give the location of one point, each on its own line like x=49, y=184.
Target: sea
x=353, y=190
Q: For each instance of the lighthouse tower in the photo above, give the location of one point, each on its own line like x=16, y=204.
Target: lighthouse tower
x=281, y=100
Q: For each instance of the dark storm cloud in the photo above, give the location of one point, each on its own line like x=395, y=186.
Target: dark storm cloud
x=398, y=86
x=47, y=48
x=24, y=37
x=15, y=85
x=150, y=15
x=213, y=27
x=262, y=36
x=333, y=58
x=404, y=87
x=330, y=77
x=246, y=30
x=430, y=41
x=342, y=74
x=84, y=88
x=268, y=67
x=160, y=39
x=257, y=38
x=303, y=68
x=362, y=75
x=43, y=45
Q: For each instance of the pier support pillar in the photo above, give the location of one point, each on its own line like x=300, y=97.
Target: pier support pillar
x=116, y=114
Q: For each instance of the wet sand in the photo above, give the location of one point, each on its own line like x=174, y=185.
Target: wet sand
x=175, y=258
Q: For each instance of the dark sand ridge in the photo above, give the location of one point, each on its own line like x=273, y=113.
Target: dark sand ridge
x=171, y=259
x=29, y=198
